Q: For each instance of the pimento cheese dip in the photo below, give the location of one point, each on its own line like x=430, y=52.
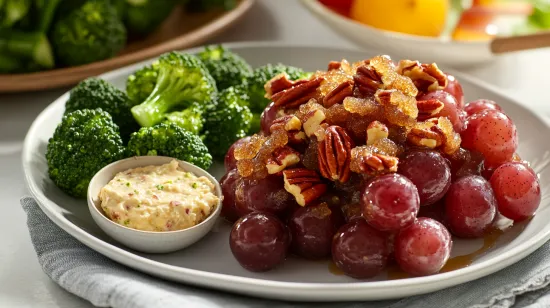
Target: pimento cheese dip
x=158, y=198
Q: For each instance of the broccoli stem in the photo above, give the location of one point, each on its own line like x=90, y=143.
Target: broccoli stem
x=32, y=45
x=46, y=13
x=9, y=64
x=152, y=111
x=13, y=11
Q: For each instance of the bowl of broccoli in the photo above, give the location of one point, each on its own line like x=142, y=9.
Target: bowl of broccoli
x=47, y=44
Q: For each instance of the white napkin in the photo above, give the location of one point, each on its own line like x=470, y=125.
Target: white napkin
x=105, y=283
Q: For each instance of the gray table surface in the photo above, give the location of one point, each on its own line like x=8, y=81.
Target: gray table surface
x=22, y=282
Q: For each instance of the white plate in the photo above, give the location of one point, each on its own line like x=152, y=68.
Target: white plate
x=442, y=50
x=209, y=263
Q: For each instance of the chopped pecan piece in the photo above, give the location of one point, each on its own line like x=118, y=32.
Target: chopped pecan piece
x=304, y=184
x=367, y=80
x=277, y=84
x=426, y=77
x=429, y=108
x=292, y=125
x=435, y=133
x=312, y=121
x=298, y=94
x=365, y=161
x=376, y=131
x=337, y=95
x=335, y=154
x=281, y=159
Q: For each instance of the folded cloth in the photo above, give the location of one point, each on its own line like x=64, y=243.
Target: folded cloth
x=88, y=274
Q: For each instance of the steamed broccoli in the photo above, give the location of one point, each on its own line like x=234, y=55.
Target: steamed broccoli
x=11, y=11
x=33, y=46
x=84, y=142
x=141, y=83
x=143, y=16
x=90, y=33
x=226, y=67
x=97, y=93
x=263, y=74
x=205, y=5
x=182, y=80
x=190, y=119
x=227, y=119
x=170, y=140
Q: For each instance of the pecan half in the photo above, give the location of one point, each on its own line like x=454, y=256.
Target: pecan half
x=277, y=84
x=292, y=125
x=335, y=154
x=376, y=131
x=337, y=95
x=370, y=163
x=367, y=80
x=281, y=159
x=426, y=77
x=429, y=108
x=304, y=184
x=298, y=94
x=430, y=137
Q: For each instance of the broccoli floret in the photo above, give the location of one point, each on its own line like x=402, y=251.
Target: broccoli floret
x=12, y=11
x=205, y=5
x=33, y=46
x=227, y=119
x=84, y=142
x=190, y=119
x=170, y=140
x=263, y=74
x=141, y=83
x=227, y=68
x=143, y=16
x=182, y=80
x=97, y=93
x=90, y=33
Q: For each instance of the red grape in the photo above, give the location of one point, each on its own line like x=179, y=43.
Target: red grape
x=268, y=116
x=230, y=162
x=464, y=162
x=455, y=89
x=265, y=195
x=228, y=184
x=493, y=134
x=429, y=172
x=470, y=206
x=517, y=190
x=390, y=202
x=423, y=248
x=451, y=110
x=312, y=228
x=359, y=250
x=480, y=105
x=259, y=241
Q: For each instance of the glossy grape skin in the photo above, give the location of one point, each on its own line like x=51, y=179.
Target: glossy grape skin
x=429, y=172
x=312, y=228
x=423, y=248
x=464, y=162
x=480, y=105
x=450, y=110
x=390, y=202
x=517, y=190
x=268, y=116
x=259, y=241
x=493, y=134
x=265, y=195
x=359, y=250
x=228, y=184
x=470, y=206
x=455, y=89
x=230, y=162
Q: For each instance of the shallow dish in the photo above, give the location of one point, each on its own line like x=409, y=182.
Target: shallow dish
x=180, y=30
x=442, y=50
x=209, y=263
x=145, y=241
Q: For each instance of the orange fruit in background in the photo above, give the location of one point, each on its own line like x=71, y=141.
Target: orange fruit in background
x=418, y=17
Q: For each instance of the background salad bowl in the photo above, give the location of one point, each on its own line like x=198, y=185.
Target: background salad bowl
x=210, y=263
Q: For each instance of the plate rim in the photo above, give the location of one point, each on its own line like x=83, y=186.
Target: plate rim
x=66, y=76
x=301, y=291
